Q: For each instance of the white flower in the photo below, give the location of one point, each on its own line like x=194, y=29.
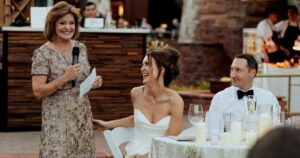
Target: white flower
x=192, y=151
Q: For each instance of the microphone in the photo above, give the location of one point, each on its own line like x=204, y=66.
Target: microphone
x=75, y=57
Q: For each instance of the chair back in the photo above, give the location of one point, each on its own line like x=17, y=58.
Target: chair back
x=116, y=137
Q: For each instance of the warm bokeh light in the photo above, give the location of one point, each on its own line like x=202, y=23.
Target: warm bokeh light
x=164, y=26
x=121, y=10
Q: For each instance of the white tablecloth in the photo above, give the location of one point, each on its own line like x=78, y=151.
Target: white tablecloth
x=279, y=85
x=165, y=147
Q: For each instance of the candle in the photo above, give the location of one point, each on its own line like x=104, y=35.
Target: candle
x=224, y=139
x=200, y=133
x=250, y=138
x=264, y=123
x=196, y=109
x=236, y=132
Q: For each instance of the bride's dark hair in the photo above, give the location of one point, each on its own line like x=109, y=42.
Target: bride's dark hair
x=168, y=58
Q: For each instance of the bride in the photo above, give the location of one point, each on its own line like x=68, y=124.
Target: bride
x=158, y=109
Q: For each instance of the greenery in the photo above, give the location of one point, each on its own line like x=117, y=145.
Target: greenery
x=192, y=151
x=204, y=85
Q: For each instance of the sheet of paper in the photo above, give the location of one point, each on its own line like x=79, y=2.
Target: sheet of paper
x=86, y=85
x=94, y=22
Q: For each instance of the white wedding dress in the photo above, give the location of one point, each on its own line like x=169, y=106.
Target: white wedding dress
x=144, y=132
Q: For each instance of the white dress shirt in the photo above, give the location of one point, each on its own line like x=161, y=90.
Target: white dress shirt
x=227, y=101
x=264, y=31
x=283, y=25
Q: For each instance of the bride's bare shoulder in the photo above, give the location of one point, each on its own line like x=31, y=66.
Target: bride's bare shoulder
x=136, y=90
x=175, y=98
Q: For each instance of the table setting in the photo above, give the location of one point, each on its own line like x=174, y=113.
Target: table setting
x=229, y=138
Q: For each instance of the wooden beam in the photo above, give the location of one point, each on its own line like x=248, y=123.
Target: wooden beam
x=7, y=13
x=7, y=2
x=20, y=7
x=1, y=13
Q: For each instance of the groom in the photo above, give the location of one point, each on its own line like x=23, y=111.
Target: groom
x=233, y=99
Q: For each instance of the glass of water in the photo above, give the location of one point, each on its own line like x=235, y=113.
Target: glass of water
x=195, y=114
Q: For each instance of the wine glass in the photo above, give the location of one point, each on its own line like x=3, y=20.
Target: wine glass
x=195, y=114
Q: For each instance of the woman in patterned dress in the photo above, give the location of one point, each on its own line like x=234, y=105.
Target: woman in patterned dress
x=67, y=129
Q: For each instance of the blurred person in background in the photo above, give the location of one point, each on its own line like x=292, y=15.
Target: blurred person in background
x=67, y=128
x=282, y=142
x=175, y=29
x=89, y=11
x=289, y=29
x=161, y=30
x=145, y=24
x=104, y=10
x=268, y=44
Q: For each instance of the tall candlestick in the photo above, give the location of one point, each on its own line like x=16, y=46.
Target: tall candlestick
x=250, y=138
x=196, y=109
x=224, y=139
x=264, y=123
x=236, y=132
x=200, y=133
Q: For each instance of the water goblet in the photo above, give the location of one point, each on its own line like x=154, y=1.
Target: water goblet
x=195, y=113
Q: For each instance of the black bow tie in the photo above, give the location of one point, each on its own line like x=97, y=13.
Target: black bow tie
x=241, y=94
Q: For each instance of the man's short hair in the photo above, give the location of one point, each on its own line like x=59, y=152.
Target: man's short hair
x=270, y=10
x=88, y=4
x=292, y=7
x=251, y=62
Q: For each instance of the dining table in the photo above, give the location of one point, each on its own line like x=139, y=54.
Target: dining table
x=167, y=147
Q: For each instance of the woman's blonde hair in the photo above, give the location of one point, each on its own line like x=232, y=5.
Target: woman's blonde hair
x=59, y=10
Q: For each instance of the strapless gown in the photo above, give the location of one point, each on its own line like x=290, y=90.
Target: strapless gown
x=144, y=132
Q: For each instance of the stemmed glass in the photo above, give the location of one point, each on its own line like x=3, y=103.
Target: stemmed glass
x=195, y=114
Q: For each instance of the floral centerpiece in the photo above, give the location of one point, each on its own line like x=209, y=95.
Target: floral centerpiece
x=192, y=152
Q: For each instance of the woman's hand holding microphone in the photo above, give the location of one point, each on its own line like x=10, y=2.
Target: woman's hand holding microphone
x=72, y=72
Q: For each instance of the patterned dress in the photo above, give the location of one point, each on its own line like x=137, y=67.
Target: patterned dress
x=67, y=129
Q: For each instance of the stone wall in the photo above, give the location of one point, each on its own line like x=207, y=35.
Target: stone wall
x=211, y=34
x=201, y=62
